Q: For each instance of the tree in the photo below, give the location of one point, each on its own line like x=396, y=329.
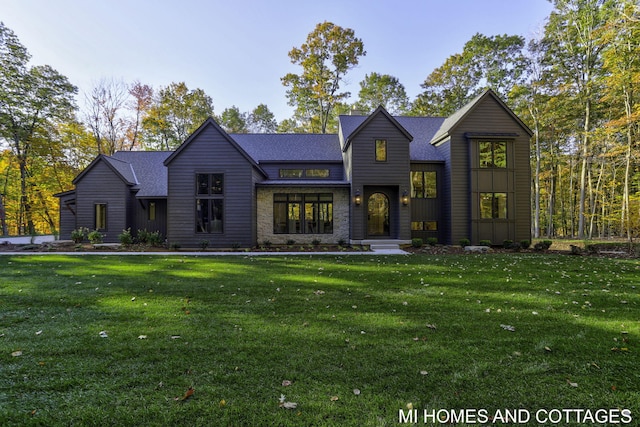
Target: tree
x=574, y=50
x=622, y=77
x=328, y=54
x=176, y=112
x=382, y=89
x=494, y=62
x=106, y=116
x=233, y=121
x=262, y=120
x=142, y=99
x=30, y=100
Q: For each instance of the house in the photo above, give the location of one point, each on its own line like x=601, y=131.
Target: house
x=381, y=177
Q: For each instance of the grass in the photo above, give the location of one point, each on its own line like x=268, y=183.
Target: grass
x=359, y=337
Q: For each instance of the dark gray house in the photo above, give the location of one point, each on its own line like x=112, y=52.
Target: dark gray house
x=380, y=178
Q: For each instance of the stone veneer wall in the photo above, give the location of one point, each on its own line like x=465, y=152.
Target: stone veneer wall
x=340, y=216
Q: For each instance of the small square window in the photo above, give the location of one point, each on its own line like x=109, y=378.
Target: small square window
x=381, y=150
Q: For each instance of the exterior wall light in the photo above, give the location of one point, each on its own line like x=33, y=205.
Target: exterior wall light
x=405, y=198
x=357, y=199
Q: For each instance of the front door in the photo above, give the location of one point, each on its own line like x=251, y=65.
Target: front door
x=378, y=215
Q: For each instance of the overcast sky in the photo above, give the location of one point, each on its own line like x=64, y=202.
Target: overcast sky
x=236, y=50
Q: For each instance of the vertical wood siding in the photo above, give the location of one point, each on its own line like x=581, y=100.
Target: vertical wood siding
x=489, y=116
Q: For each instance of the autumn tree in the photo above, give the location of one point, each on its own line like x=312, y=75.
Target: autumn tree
x=495, y=62
x=382, y=89
x=175, y=113
x=31, y=100
x=328, y=54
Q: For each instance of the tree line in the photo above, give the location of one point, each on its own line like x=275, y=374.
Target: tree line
x=575, y=85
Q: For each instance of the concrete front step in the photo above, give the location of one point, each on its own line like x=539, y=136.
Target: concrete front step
x=383, y=244
x=386, y=246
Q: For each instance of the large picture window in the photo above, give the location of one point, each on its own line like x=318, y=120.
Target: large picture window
x=303, y=213
x=493, y=205
x=493, y=154
x=209, y=203
x=424, y=185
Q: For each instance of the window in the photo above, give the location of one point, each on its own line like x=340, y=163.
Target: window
x=152, y=211
x=317, y=173
x=381, y=150
x=424, y=184
x=209, y=203
x=291, y=173
x=493, y=205
x=101, y=216
x=424, y=226
x=493, y=154
x=303, y=213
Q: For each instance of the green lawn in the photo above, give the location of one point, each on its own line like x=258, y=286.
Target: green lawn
x=358, y=337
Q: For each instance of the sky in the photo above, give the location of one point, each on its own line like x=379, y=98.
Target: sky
x=237, y=50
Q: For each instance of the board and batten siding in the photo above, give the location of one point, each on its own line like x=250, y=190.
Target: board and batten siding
x=392, y=174
x=430, y=209
x=102, y=185
x=210, y=152
x=491, y=118
x=142, y=220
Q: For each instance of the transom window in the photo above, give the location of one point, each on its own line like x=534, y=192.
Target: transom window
x=306, y=173
x=493, y=205
x=493, y=154
x=303, y=213
x=424, y=226
x=381, y=150
x=424, y=184
x=209, y=202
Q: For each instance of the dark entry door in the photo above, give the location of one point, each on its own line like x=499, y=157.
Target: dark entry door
x=378, y=215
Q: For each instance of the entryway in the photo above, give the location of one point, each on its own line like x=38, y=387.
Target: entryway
x=378, y=215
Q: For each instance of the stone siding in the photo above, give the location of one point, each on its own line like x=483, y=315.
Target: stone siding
x=340, y=216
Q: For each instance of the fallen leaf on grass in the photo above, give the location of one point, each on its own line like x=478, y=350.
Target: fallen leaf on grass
x=186, y=395
x=508, y=328
x=356, y=391
x=286, y=383
x=572, y=384
x=431, y=326
x=289, y=405
x=103, y=334
x=547, y=349
x=16, y=353
x=334, y=398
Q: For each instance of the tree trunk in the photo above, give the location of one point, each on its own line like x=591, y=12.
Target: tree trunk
x=3, y=217
x=584, y=166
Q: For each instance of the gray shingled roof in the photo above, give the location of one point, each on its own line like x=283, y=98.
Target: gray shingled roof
x=290, y=147
x=123, y=168
x=149, y=169
x=421, y=128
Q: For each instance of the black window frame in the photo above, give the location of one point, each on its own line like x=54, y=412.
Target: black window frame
x=209, y=203
x=303, y=213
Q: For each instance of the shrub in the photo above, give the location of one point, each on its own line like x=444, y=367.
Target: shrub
x=175, y=246
x=507, y=244
x=95, y=237
x=266, y=243
x=235, y=246
x=464, y=242
x=125, y=237
x=525, y=244
x=143, y=236
x=547, y=244
x=204, y=244
x=155, y=238
x=291, y=242
x=342, y=242
x=79, y=234
x=416, y=242
x=432, y=241
x=485, y=242
x=315, y=242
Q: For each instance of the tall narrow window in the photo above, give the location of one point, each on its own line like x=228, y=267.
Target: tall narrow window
x=152, y=211
x=209, y=203
x=381, y=150
x=101, y=216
